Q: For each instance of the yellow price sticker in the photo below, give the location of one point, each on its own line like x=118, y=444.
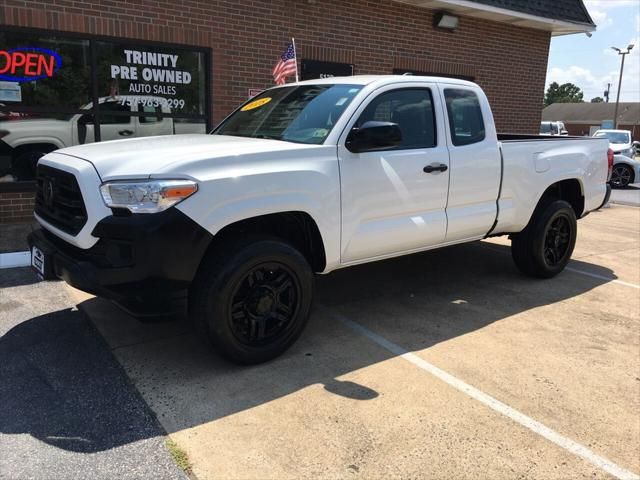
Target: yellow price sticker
x=255, y=104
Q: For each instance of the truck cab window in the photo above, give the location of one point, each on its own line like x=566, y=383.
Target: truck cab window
x=465, y=116
x=411, y=109
x=107, y=119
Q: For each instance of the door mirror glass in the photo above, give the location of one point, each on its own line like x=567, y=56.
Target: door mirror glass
x=374, y=135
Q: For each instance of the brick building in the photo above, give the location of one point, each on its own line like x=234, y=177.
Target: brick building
x=97, y=52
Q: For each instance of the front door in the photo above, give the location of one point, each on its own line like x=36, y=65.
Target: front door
x=390, y=204
x=116, y=122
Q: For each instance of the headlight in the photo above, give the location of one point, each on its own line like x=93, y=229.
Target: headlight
x=628, y=152
x=147, y=196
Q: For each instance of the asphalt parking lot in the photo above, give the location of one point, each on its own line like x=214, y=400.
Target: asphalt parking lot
x=446, y=364
x=627, y=196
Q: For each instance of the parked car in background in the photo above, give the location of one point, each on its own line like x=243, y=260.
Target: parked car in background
x=625, y=168
x=24, y=140
x=553, y=128
x=620, y=141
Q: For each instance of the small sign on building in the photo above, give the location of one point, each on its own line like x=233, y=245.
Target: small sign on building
x=312, y=69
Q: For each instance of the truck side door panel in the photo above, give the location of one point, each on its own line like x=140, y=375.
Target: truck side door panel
x=389, y=204
x=475, y=163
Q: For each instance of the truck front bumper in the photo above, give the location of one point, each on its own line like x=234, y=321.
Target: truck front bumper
x=144, y=262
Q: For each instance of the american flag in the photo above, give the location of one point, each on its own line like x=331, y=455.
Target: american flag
x=286, y=66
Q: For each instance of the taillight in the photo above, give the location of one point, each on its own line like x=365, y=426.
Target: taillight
x=610, y=163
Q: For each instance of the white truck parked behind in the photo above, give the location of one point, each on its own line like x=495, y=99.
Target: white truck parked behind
x=24, y=141
x=307, y=177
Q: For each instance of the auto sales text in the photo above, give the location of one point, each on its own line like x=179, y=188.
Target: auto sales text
x=149, y=73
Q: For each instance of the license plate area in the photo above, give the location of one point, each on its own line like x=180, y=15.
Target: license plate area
x=38, y=261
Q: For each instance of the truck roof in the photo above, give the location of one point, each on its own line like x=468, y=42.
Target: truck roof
x=382, y=80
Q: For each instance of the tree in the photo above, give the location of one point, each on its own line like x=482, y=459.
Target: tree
x=565, y=93
x=597, y=100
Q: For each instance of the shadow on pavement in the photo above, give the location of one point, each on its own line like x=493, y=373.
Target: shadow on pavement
x=15, y=277
x=60, y=384
x=53, y=386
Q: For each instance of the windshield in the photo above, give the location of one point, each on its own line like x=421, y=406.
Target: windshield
x=548, y=127
x=299, y=113
x=615, y=137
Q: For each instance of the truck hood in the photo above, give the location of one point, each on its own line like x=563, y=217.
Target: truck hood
x=170, y=154
x=616, y=147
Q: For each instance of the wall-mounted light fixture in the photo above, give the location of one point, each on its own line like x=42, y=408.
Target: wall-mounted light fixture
x=445, y=20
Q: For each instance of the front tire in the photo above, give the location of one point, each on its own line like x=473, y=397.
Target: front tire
x=544, y=247
x=251, y=299
x=621, y=176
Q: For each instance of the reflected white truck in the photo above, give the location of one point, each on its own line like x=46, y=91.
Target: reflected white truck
x=23, y=142
x=305, y=178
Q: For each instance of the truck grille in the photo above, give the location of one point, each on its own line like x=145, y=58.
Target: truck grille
x=59, y=200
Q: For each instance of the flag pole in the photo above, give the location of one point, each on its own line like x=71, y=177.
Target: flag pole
x=295, y=54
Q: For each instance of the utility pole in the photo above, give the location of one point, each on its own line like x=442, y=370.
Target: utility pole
x=625, y=53
x=606, y=92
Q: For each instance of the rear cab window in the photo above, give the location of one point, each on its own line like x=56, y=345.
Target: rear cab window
x=465, y=116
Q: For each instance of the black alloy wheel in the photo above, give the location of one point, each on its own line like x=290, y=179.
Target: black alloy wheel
x=251, y=298
x=264, y=303
x=621, y=176
x=545, y=246
x=556, y=241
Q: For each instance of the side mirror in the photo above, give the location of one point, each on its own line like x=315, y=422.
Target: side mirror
x=86, y=119
x=373, y=136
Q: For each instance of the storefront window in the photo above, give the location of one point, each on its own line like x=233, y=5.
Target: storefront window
x=58, y=91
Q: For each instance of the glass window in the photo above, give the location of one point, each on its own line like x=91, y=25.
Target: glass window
x=465, y=116
x=46, y=71
x=411, y=109
x=149, y=109
x=172, y=76
x=113, y=106
x=302, y=114
x=614, y=137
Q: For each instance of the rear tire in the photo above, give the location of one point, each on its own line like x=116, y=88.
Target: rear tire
x=621, y=176
x=544, y=247
x=251, y=298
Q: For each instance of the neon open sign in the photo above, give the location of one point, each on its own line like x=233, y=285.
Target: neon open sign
x=25, y=64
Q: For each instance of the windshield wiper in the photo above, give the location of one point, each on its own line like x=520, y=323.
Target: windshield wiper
x=269, y=137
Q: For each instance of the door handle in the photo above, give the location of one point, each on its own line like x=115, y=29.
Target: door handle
x=126, y=133
x=435, y=168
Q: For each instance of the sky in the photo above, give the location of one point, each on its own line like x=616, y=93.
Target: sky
x=590, y=63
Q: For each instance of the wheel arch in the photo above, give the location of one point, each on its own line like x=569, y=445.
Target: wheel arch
x=295, y=227
x=570, y=190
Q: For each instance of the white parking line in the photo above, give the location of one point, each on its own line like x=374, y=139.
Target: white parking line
x=602, y=277
x=489, y=401
x=489, y=246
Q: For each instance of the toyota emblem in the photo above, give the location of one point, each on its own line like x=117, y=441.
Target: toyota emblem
x=48, y=192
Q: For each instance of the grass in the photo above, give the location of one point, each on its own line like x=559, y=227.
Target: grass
x=178, y=455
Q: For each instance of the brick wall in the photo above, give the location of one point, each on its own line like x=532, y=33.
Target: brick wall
x=16, y=207
x=246, y=36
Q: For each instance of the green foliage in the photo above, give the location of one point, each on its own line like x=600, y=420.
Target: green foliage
x=597, y=100
x=565, y=93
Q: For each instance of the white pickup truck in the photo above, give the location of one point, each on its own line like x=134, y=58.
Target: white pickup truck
x=24, y=141
x=307, y=177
